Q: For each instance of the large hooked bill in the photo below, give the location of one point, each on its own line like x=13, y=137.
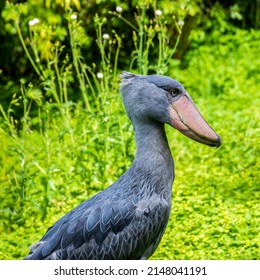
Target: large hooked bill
x=187, y=119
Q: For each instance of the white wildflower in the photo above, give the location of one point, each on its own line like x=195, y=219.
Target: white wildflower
x=119, y=9
x=181, y=23
x=100, y=75
x=158, y=12
x=34, y=22
x=105, y=36
x=73, y=16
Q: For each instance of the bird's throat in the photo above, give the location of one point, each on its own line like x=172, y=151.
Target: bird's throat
x=152, y=147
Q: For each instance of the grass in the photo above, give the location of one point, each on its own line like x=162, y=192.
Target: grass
x=63, y=151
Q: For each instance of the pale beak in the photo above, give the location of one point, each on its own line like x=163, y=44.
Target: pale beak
x=187, y=119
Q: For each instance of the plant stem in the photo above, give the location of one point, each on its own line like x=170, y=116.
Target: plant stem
x=125, y=20
x=76, y=60
x=27, y=51
x=173, y=50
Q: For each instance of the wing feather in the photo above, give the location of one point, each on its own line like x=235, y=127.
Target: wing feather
x=119, y=229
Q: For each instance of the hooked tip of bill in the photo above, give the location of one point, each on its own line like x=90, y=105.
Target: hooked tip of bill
x=218, y=142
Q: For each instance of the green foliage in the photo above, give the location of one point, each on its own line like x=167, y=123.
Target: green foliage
x=64, y=134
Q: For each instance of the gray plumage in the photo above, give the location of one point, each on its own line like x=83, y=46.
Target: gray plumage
x=126, y=220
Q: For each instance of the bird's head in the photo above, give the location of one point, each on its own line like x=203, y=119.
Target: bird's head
x=156, y=98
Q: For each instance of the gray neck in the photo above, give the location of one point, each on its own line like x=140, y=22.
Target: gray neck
x=153, y=153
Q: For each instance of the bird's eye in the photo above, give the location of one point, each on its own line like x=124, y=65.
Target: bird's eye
x=174, y=92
